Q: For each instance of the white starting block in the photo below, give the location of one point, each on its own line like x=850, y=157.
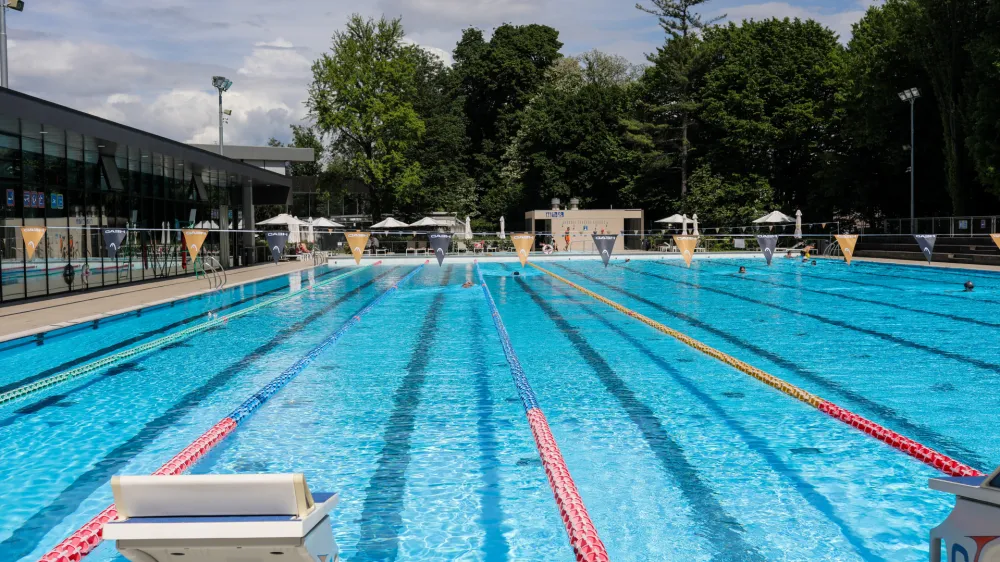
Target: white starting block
x=971, y=533
x=221, y=518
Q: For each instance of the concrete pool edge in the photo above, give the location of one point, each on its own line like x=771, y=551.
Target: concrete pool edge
x=56, y=326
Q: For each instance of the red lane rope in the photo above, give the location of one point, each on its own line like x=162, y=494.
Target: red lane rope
x=922, y=453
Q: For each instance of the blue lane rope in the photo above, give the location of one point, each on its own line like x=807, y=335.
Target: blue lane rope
x=520, y=379
x=257, y=400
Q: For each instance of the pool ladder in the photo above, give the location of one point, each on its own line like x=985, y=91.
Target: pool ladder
x=214, y=272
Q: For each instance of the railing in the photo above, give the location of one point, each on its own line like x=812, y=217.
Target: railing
x=942, y=226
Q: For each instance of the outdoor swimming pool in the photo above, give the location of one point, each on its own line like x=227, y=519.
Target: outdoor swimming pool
x=412, y=414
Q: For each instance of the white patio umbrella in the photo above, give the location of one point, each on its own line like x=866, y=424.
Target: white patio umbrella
x=389, y=223
x=284, y=219
x=468, y=228
x=207, y=224
x=774, y=217
x=672, y=219
x=684, y=224
x=798, y=224
x=694, y=217
x=326, y=223
x=503, y=228
x=426, y=222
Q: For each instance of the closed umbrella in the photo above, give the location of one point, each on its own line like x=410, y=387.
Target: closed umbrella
x=468, y=228
x=684, y=224
x=798, y=224
x=503, y=227
x=694, y=217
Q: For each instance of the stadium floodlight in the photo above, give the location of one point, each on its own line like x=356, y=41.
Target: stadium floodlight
x=18, y=6
x=911, y=96
x=222, y=84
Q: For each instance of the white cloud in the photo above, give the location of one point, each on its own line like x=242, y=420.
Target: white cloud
x=150, y=66
x=839, y=21
x=436, y=14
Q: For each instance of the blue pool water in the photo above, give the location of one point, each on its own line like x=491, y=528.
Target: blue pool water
x=412, y=416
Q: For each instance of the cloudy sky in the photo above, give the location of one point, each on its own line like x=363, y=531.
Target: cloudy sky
x=151, y=67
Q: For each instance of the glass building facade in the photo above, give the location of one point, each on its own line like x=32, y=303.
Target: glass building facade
x=77, y=175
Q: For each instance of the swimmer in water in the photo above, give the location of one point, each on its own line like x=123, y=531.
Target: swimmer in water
x=969, y=286
x=467, y=285
x=743, y=269
x=628, y=260
x=517, y=273
x=788, y=255
x=814, y=262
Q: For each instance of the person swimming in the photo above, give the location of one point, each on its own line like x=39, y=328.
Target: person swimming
x=969, y=286
x=743, y=269
x=517, y=273
x=788, y=255
x=467, y=285
x=814, y=262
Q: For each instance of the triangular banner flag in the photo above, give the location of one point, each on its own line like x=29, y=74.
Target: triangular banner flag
x=847, y=243
x=194, y=239
x=767, y=242
x=523, y=244
x=276, y=241
x=926, y=243
x=605, y=245
x=357, y=241
x=113, y=238
x=439, y=243
x=686, y=244
x=996, y=239
x=32, y=236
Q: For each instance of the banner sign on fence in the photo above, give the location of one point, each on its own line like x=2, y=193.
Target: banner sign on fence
x=113, y=238
x=686, y=245
x=847, y=243
x=523, y=244
x=276, y=242
x=32, y=236
x=605, y=245
x=996, y=239
x=439, y=243
x=767, y=242
x=357, y=241
x=926, y=243
x=194, y=238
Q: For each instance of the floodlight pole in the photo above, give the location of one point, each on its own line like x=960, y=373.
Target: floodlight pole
x=913, y=161
x=220, y=121
x=3, y=45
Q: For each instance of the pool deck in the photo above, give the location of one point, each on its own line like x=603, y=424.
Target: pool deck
x=34, y=316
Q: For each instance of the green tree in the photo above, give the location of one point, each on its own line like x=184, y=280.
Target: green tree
x=496, y=80
x=444, y=182
x=361, y=97
x=772, y=104
x=673, y=102
x=870, y=172
x=572, y=137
